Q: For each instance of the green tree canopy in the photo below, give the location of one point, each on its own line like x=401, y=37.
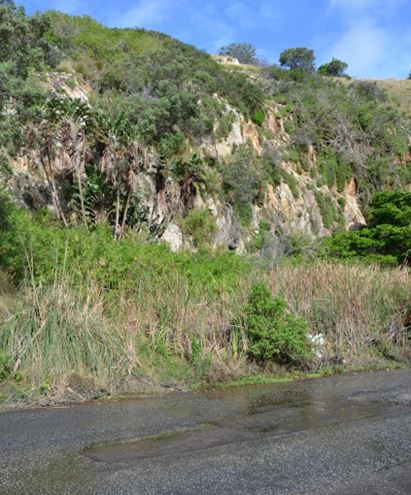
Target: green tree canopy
x=335, y=68
x=24, y=52
x=243, y=52
x=298, y=58
x=386, y=238
x=23, y=43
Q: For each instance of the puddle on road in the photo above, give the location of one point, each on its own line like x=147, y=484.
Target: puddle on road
x=262, y=418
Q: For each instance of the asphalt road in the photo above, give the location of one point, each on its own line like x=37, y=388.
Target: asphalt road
x=341, y=435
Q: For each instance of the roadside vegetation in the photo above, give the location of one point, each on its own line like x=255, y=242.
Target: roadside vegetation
x=93, y=305
x=84, y=316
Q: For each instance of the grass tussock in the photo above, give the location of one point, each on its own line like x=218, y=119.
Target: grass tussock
x=66, y=341
x=353, y=305
x=53, y=332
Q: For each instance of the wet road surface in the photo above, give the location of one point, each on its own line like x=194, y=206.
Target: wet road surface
x=339, y=435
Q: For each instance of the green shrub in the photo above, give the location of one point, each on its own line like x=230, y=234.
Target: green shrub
x=24, y=52
x=352, y=129
x=261, y=237
x=114, y=265
x=171, y=145
x=292, y=183
x=243, y=176
x=200, y=225
x=274, y=333
x=244, y=212
x=327, y=208
x=225, y=124
x=5, y=365
x=259, y=117
x=6, y=208
x=293, y=155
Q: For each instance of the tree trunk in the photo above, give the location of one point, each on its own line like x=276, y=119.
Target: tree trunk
x=126, y=208
x=80, y=192
x=117, y=224
x=54, y=192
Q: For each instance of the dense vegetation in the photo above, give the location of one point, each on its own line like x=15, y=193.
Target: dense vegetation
x=155, y=81
x=273, y=332
x=149, y=91
x=352, y=128
x=94, y=317
x=92, y=303
x=24, y=51
x=387, y=236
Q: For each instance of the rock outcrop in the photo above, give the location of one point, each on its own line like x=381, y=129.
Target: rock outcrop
x=287, y=209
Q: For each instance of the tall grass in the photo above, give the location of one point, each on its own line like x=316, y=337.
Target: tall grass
x=5, y=296
x=53, y=332
x=352, y=305
x=168, y=332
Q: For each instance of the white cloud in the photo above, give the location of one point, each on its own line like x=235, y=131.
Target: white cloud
x=362, y=46
x=149, y=13
x=369, y=44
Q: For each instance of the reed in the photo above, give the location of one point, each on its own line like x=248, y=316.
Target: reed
x=166, y=331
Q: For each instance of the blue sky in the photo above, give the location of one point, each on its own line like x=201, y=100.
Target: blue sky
x=372, y=36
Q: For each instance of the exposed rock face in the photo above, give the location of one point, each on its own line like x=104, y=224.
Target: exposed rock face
x=229, y=230
x=224, y=59
x=286, y=212
x=353, y=215
x=174, y=237
x=60, y=82
x=287, y=209
x=294, y=215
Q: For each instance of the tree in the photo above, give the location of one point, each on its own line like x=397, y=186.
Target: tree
x=298, y=58
x=74, y=116
x=335, y=68
x=242, y=180
x=386, y=238
x=24, y=54
x=409, y=76
x=41, y=153
x=243, y=52
x=120, y=162
x=23, y=43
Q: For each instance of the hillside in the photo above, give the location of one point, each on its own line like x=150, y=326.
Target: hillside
x=398, y=93
x=199, y=145
x=156, y=203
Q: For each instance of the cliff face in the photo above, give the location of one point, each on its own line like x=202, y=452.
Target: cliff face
x=154, y=137
x=295, y=203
